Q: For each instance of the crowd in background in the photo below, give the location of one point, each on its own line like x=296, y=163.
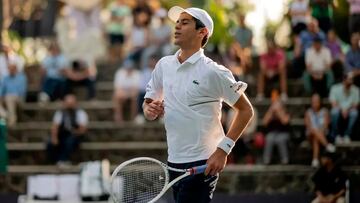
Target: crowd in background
x=137, y=36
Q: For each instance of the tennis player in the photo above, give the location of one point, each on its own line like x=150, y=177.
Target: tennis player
x=188, y=89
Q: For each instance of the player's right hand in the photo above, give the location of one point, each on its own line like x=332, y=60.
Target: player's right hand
x=153, y=109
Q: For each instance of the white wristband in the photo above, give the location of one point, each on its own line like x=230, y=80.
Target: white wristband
x=226, y=144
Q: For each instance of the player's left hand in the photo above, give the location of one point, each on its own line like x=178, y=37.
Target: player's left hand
x=216, y=163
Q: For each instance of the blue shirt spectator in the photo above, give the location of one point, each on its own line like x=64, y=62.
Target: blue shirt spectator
x=352, y=60
x=14, y=85
x=54, y=64
x=307, y=38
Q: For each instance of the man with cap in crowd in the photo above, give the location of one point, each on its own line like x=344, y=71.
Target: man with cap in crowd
x=188, y=89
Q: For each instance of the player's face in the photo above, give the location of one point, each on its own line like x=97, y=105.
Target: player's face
x=185, y=32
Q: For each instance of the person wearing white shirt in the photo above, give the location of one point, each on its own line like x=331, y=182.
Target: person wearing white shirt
x=318, y=76
x=300, y=15
x=126, y=87
x=188, y=89
x=68, y=128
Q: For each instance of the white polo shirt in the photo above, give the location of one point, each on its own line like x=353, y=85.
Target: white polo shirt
x=193, y=93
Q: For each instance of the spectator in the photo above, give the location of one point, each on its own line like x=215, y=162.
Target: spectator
x=329, y=181
x=317, y=126
x=321, y=10
x=53, y=70
x=7, y=56
x=82, y=35
x=126, y=87
x=80, y=74
x=307, y=36
x=318, y=76
x=68, y=129
x=272, y=68
x=334, y=45
x=338, y=58
x=344, y=98
x=12, y=93
x=160, y=38
x=116, y=27
x=243, y=37
x=145, y=77
x=276, y=122
x=352, y=59
x=354, y=19
x=233, y=61
x=299, y=12
x=139, y=36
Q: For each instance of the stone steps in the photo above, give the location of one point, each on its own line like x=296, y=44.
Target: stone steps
x=103, y=110
x=106, y=131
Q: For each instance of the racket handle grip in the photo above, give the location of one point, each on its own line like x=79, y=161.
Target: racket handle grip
x=198, y=169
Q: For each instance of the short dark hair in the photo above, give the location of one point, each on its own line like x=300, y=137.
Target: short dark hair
x=198, y=25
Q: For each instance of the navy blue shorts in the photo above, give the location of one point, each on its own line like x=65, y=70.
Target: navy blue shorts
x=198, y=188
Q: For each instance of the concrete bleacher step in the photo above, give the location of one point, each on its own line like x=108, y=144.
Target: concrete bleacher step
x=106, y=131
x=103, y=110
x=35, y=153
x=104, y=89
x=98, y=131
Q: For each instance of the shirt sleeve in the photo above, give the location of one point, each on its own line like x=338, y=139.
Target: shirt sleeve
x=82, y=118
x=57, y=118
x=154, y=87
x=229, y=89
x=332, y=95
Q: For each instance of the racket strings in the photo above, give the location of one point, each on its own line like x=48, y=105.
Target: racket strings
x=140, y=181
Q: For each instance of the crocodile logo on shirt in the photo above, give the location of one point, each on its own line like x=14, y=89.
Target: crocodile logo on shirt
x=196, y=82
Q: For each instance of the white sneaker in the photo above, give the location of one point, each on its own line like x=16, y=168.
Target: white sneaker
x=284, y=97
x=139, y=119
x=346, y=139
x=315, y=163
x=259, y=97
x=43, y=97
x=63, y=164
x=338, y=139
x=330, y=148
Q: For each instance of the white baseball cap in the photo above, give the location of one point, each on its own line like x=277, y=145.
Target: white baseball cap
x=200, y=14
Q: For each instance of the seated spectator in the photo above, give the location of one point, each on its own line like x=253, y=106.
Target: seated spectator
x=317, y=126
x=80, y=74
x=312, y=31
x=352, y=59
x=126, y=87
x=276, y=122
x=299, y=13
x=139, y=37
x=68, y=129
x=338, y=57
x=160, y=38
x=243, y=45
x=145, y=77
x=272, y=68
x=115, y=29
x=354, y=18
x=12, y=93
x=53, y=70
x=7, y=56
x=344, y=99
x=321, y=10
x=318, y=76
x=329, y=181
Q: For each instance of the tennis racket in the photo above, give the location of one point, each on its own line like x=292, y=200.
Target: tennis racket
x=144, y=180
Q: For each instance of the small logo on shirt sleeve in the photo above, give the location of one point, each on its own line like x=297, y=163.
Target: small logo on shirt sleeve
x=237, y=86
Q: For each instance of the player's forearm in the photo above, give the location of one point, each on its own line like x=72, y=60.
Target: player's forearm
x=243, y=115
x=241, y=120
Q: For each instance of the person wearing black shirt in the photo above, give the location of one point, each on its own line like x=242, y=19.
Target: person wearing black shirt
x=276, y=122
x=329, y=181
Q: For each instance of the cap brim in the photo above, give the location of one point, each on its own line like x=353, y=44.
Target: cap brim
x=175, y=12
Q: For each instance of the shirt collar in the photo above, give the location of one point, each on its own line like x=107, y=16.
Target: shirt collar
x=193, y=58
